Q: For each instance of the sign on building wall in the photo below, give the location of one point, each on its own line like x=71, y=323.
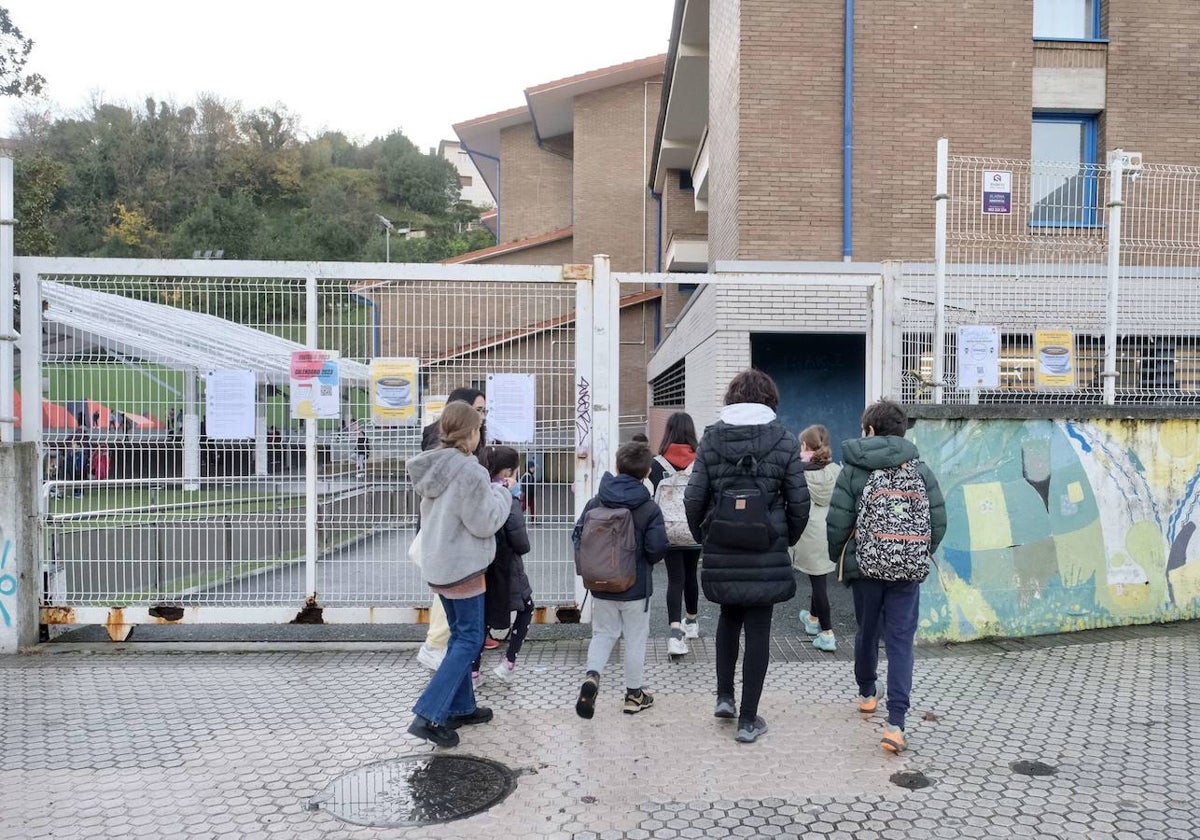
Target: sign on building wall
x=314, y=383
x=1054, y=357
x=997, y=192
x=978, y=357
x=394, y=391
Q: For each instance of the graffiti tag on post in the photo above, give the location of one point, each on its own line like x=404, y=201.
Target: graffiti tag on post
x=583, y=418
x=8, y=583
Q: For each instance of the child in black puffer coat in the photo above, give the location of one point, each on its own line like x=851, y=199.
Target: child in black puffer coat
x=508, y=585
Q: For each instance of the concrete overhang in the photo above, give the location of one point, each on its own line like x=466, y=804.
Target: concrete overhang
x=480, y=138
x=683, y=116
x=552, y=105
x=686, y=253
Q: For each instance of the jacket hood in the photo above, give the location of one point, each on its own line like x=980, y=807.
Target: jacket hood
x=433, y=470
x=622, y=491
x=680, y=455
x=821, y=481
x=746, y=414
x=736, y=440
x=874, y=453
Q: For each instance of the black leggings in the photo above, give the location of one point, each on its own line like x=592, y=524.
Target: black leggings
x=819, y=605
x=757, y=623
x=516, y=636
x=681, y=582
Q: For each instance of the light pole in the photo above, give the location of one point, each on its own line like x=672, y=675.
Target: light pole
x=388, y=227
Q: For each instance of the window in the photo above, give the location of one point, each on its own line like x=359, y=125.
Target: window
x=1067, y=20
x=669, y=388
x=685, y=179
x=464, y=180
x=1064, y=176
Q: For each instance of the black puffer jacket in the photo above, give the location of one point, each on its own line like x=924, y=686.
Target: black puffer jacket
x=737, y=578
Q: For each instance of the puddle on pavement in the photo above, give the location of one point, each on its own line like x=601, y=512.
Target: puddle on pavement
x=1033, y=768
x=416, y=790
x=910, y=780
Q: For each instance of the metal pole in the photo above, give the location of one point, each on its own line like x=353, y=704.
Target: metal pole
x=605, y=371
x=310, y=455
x=31, y=356
x=1116, y=164
x=584, y=394
x=387, y=246
x=942, y=197
x=7, y=336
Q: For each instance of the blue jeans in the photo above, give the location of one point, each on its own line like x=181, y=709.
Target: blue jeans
x=889, y=609
x=450, y=692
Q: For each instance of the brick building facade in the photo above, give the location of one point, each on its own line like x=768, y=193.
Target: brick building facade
x=801, y=140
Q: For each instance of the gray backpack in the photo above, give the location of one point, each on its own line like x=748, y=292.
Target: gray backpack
x=669, y=496
x=893, y=530
x=607, y=555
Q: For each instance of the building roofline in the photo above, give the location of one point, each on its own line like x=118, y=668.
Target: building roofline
x=512, y=247
x=651, y=65
x=668, y=78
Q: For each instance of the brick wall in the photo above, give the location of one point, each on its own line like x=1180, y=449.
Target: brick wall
x=1153, y=102
x=535, y=186
x=614, y=213
x=724, y=135
x=679, y=216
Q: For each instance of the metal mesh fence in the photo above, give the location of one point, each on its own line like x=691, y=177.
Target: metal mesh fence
x=145, y=503
x=1032, y=260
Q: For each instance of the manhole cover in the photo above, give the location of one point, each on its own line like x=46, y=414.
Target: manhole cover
x=1033, y=768
x=417, y=790
x=910, y=780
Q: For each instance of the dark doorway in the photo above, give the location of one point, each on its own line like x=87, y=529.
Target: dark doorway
x=821, y=379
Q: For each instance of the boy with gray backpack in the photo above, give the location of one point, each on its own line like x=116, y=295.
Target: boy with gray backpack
x=886, y=519
x=619, y=536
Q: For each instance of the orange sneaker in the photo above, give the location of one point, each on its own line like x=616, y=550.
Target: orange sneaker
x=489, y=643
x=868, y=705
x=893, y=739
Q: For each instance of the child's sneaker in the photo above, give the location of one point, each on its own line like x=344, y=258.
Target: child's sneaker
x=637, y=700
x=749, y=730
x=825, y=641
x=811, y=625
x=476, y=679
x=868, y=705
x=725, y=708
x=691, y=628
x=676, y=646
x=431, y=658
x=893, y=739
x=489, y=643
x=504, y=669
x=585, y=706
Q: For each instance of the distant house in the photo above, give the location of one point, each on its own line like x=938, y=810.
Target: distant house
x=474, y=188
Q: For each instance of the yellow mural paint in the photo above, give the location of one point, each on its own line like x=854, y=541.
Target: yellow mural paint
x=1186, y=582
x=1080, y=553
x=1179, y=438
x=960, y=596
x=1075, y=492
x=987, y=512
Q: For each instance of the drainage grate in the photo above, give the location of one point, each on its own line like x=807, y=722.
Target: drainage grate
x=1033, y=768
x=910, y=780
x=417, y=790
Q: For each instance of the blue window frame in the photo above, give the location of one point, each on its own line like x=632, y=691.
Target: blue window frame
x=1066, y=20
x=1064, y=176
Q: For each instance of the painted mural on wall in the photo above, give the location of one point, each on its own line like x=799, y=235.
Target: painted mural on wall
x=1062, y=525
x=8, y=581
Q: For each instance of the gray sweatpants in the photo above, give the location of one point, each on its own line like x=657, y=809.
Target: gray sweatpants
x=610, y=621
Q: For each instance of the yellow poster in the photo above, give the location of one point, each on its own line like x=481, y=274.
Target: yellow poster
x=1054, y=356
x=394, y=391
x=431, y=408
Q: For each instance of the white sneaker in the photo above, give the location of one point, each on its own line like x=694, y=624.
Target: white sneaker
x=691, y=629
x=431, y=658
x=504, y=669
x=676, y=646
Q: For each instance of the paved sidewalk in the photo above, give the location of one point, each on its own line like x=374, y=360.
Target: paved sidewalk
x=235, y=745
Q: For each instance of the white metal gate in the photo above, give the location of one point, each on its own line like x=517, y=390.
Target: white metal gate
x=147, y=518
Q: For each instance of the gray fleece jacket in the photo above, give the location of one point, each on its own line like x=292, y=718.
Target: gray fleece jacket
x=461, y=511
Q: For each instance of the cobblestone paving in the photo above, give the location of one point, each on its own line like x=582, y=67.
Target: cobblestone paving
x=212, y=745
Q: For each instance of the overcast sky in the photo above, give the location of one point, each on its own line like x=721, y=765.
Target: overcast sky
x=364, y=68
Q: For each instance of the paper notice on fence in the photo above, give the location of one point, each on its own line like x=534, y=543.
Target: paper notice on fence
x=229, y=405
x=1054, y=358
x=315, y=385
x=394, y=391
x=431, y=408
x=978, y=357
x=512, y=407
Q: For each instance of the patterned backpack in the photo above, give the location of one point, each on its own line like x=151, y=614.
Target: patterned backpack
x=669, y=497
x=893, y=529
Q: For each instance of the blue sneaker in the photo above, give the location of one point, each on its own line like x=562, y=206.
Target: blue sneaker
x=811, y=626
x=825, y=641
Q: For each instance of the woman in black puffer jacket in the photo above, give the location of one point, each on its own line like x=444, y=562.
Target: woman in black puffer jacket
x=747, y=568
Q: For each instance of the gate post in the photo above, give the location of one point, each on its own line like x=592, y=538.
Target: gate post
x=606, y=393
x=942, y=197
x=7, y=337
x=583, y=396
x=20, y=582
x=310, y=452
x=1116, y=162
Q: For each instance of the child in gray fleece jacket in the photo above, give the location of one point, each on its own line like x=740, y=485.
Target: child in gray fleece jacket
x=461, y=511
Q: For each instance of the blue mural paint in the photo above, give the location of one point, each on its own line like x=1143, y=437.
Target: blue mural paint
x=8, y=584
x=1073, y=432
x=1185, y=504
